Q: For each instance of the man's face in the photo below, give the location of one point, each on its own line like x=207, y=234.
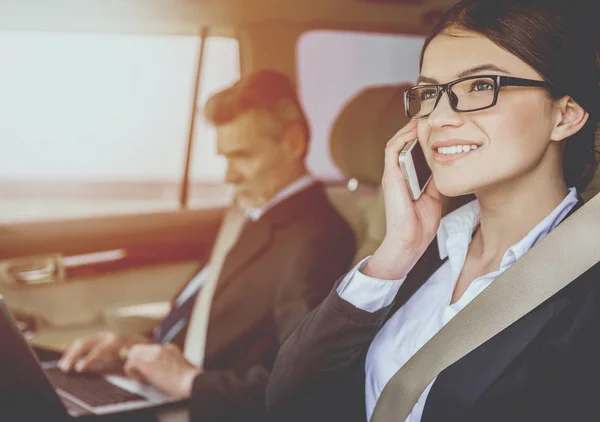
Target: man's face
x=257, y=164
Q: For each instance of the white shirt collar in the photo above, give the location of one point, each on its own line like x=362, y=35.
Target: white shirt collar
x=458, y=226
x=254, y=214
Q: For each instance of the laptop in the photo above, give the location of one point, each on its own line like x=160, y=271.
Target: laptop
x=28, y=386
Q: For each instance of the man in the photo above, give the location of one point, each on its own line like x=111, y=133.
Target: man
x=288, y=248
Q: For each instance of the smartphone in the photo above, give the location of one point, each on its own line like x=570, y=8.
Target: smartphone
x=415, y=169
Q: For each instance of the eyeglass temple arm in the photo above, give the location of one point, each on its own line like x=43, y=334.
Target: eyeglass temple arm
x=512, y=81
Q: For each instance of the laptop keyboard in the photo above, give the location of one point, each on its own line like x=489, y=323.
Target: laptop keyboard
x=92, y=389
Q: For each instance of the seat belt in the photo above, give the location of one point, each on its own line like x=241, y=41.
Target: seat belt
x=561, y=257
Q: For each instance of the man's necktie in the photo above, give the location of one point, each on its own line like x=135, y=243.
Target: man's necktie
x=197, y=329
x=179, y=315
x=178, y=318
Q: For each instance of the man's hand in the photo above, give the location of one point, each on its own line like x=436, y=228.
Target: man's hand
x=163, y=366
x=98, y=349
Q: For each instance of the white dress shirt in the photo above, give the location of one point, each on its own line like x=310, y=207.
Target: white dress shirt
x=429, y=309
x=293, y=188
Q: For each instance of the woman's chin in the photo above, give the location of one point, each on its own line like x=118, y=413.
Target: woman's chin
x=452, y=189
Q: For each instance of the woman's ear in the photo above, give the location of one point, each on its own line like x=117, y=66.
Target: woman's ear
x=571, y=118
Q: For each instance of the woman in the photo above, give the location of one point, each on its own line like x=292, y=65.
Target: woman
x=506, y=109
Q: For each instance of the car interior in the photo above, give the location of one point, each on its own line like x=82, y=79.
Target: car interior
x=111, y=190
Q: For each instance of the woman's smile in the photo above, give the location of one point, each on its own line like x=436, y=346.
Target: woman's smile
x=448, y=155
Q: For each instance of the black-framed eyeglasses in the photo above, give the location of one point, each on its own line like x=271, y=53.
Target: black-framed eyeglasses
x=472, y=93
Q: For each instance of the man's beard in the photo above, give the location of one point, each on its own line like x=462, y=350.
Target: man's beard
x=244, y=199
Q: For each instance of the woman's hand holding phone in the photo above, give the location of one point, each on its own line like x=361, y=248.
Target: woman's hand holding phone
x=410, y=225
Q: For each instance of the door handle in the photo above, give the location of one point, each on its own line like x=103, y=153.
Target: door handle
x=34, y=276
x=33, y=270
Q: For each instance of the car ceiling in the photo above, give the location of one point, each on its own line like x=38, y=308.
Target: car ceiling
x=188, y=16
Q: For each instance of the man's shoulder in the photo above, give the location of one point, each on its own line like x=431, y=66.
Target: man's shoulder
x=320, y=213
x=308, y=217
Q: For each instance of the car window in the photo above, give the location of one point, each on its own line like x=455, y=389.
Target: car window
x=333, y=66
x=221, y=69
x=98, y=124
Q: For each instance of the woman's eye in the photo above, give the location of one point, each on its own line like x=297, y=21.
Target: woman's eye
x=482, y=86
x=428, y=94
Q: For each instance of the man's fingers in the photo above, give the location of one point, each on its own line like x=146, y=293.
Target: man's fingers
x=131, y=362
x=143, y=352
x=124, y=353
x=98, y=353
x=132, y=371
x=140, y=356
x=78, y=349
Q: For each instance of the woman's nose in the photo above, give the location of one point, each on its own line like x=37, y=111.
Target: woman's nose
x=443, y=115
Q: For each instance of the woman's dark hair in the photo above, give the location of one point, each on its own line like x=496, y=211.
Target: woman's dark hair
x=559, y=39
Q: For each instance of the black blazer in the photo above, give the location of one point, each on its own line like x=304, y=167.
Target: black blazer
x=544, y=367
x=280, y=269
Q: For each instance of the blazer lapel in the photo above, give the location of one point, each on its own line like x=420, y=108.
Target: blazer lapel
x=257, y=236
x=429, y=263
x=457, y=388
x=254, y=239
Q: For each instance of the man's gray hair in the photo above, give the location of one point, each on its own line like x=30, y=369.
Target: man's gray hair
x=268, y=93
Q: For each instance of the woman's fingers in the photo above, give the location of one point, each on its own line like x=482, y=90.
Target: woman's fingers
x=432, y=190
x=397, y=143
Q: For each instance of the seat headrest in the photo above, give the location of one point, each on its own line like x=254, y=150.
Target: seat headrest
x=363, y=128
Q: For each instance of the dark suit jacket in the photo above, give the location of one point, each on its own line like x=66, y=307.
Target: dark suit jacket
x=544, y=367
x=280, y=269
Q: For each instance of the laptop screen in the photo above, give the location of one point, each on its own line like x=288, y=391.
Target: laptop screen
x=25, y=392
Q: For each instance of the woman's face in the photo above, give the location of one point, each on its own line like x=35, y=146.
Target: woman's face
x=512, y=138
